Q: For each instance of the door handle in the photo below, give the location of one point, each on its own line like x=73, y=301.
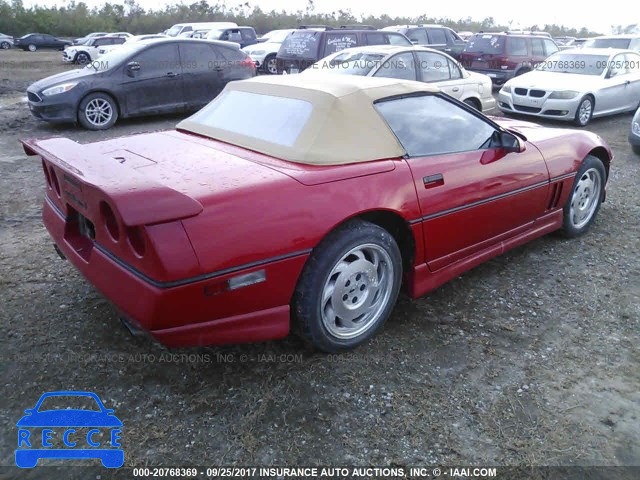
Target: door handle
x=172, y=74
x=433, y=180
x=447, y=49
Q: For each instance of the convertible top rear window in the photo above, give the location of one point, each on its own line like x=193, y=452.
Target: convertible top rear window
x=273, y=119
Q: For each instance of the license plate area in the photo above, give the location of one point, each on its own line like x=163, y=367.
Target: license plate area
x=80, y=233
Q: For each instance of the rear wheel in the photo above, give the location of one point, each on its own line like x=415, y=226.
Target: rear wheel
x=270, y=65
x=348, y=287
x=584, y=112
x=97, y=111
x=472, y=102
x=636, y=149
x=586, y=197
x=32, y=48
x=5, y=45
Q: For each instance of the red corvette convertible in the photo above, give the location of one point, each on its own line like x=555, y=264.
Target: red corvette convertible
x=292, y=199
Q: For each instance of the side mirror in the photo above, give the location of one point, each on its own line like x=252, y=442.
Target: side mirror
x=511, y=143
x=611, y=74
x=415, y=42
x=132, y=67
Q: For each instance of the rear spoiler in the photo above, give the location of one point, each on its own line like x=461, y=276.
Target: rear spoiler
x=138, y=199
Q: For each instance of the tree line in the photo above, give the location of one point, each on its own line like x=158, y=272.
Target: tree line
x=76, y=18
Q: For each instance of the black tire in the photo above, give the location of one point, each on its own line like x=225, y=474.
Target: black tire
x=85, y=118
x=590, y=166
x=32, y=48
x=636, y=149
x=580, y=120
x=266, y=67
x=82, y=58
x=354, y=280
x=472, y=102
x=5, y=45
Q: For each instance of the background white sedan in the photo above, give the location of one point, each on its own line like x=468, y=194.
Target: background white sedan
x=410, y=63
x=576, y=85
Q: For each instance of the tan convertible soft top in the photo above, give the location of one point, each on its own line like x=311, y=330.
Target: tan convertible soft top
x=342, y=127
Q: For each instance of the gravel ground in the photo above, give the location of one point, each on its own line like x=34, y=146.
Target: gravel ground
x=529, y=359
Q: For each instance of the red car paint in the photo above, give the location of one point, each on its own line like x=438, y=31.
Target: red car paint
x=165, y=234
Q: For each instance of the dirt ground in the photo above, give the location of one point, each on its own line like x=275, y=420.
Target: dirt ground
x=530, y=359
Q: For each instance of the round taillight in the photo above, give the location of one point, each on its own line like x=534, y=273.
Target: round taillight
x=54, y=181
x=136, y=240
x=46, y=173
x=110, y=221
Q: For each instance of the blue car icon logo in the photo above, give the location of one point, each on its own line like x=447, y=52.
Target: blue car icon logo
x=50, y=431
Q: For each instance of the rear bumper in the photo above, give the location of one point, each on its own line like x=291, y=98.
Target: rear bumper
x=498, y=77
x=194, y=312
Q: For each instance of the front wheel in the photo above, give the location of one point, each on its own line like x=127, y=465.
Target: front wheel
x=32, y=48
x=5, y=45
x=83, y=58
x=584, y=112
x=97, y=111
x=348, y=287
x=586, y=197
x=636, y=149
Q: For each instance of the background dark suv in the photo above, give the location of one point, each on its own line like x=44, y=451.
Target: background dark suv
x=503, y=56
x=243, y=36
x=304, y=47
x=437, y=37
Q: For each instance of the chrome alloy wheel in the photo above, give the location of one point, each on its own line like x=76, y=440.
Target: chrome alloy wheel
x=98, y=112
x=357, y=291
x=586, y=196
x=584, y=112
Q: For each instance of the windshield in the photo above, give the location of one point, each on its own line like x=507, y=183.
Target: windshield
x=354, y=63
x=608, y=43
x=485, y=43
x=173, y=31
x=576, y=63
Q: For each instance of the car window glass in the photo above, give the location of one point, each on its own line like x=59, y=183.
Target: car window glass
x=374, y=38
x=198, y=57
x=550, y=47
x=339, y=41
x=618, y=66
x=436, y=36
x=454, y=70
x=634, y=44
x=418, y=36
x=633, y=62
x=301, y=44
x=157, y=61
x=248, y=34
x=452, y=36
x=273, y=119
x=187, y=29
x=430, y=125
x=118, y=41
x=234, y=36
x=537, y=48
x=396, y=39
x=400, y=66
x=516, y=46
x=434, y=67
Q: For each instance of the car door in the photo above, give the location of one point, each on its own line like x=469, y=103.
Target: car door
x=437, y=38
x=436, y=69
x=616, y=92
x=633, y=64
x=473, y=193
x=455, y=44
x=151, y=81
x=203, y=73
x=400, y=65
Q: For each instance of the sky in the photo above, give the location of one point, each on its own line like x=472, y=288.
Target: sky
x=575, y=14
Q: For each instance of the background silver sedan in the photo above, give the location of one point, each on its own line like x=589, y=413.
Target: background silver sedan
x=576, y=85
x=6, y=41
x=411, y=63
x=634, y=134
